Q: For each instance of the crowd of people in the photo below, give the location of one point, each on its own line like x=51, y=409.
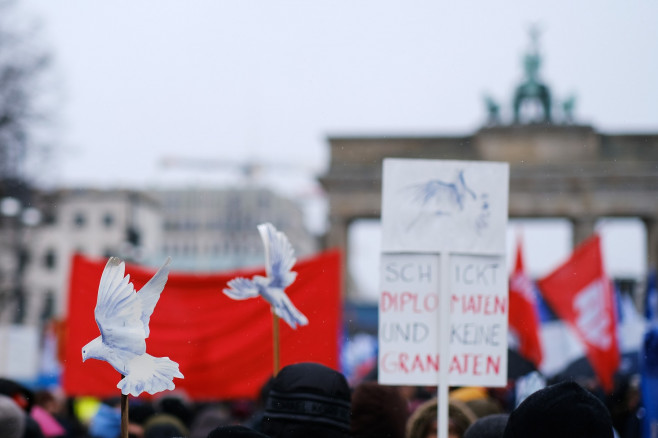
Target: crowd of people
x=312, y=400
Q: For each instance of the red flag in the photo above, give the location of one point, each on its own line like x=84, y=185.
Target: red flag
x=580, y=293
x=523, y=316
x=223, y=346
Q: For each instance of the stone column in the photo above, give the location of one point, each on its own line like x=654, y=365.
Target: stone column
x=583, y=227
x=337, y=233
x=651, y=224
x=337, y=238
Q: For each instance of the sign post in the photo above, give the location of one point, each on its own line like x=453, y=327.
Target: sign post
x=443, y=303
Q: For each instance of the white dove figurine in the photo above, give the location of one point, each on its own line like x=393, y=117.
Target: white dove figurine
x=123, y=318
x=279, y=260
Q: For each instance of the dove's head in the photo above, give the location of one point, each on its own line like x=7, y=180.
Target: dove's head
x=92, y=349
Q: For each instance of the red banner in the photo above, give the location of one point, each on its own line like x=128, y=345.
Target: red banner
x=581, y=294
x=224, y=347
x=523, y=317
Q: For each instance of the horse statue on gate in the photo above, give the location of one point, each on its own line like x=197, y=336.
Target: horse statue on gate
x=532, y=90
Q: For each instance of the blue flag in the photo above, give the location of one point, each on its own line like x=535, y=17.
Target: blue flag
x=619, y=308
x=649, y=385
x=649, y=361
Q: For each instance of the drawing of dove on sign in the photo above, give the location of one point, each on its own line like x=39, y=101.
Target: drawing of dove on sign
x=436, y=198
x=123, y=316
x=279, y=261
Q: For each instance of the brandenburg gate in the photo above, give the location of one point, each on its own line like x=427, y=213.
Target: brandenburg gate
x=557, y=170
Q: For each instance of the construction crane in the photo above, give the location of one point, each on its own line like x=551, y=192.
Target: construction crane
x=249, y=169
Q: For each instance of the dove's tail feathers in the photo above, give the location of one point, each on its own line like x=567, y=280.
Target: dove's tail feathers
x=290, y=314
x=150, y=293
x=150, y=374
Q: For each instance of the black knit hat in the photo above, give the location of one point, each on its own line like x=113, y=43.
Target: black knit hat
x=308, y=399
x=564, y=410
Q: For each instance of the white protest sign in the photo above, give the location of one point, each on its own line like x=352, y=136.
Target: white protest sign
x=409, y=326
x=443, y=234
x=478, y=320
x=436, y=206
x=408, y=323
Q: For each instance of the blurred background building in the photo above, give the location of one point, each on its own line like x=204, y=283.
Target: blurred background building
x=92, y=222
x=215, y=229
x=202, y=230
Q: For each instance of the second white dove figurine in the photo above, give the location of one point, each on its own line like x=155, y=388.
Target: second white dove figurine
x=279, y=260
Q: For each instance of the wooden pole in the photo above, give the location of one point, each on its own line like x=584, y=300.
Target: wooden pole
x=124, y=415
x=444, y=344
x=275, y=341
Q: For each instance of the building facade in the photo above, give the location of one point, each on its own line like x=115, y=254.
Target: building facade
x=95, y=223
x=210, y=229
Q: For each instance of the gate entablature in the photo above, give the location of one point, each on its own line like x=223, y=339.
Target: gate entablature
x=555, y=171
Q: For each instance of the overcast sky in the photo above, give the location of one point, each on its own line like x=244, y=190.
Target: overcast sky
x=269, y=80
x=220, y=82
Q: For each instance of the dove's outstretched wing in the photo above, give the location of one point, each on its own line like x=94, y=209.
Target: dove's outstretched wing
x=279, y=256
x=118, y=311
x=241, y=288
x=150, y=293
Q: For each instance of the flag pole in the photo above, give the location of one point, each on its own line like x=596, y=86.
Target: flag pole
x=275, y=341
x=124, y=414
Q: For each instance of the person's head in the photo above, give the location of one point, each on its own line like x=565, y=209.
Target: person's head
x=164, y=426
x=12, y=418
x=48, y=401
x=177, y=404
x=488, y=426
x=209, y=418
x=423, y=421
x=22, y=396
x=307, y=400
x=485, y=407
x=564, y=410
x=378, y=411
x=139, y=411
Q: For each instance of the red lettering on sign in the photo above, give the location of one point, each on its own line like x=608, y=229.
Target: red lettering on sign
x=493, y=364
x=466, y=363
x=392, y=362
x=474, y=364
x=479, y=304
x=408, y=302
